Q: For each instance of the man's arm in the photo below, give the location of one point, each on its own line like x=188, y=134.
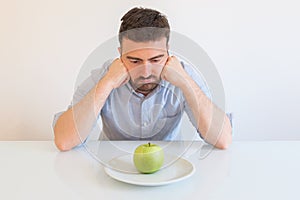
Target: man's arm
x=74, y=125
x=212, y=122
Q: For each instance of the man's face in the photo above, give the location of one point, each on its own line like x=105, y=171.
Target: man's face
x=144, y=62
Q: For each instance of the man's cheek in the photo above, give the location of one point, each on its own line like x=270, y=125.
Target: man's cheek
x=157, y=70
x=133, y=75
x=159, y=67
x=126, y=66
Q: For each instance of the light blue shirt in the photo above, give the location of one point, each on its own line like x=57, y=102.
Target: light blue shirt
x=128, y=115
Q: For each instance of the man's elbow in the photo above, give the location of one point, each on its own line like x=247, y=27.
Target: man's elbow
x=225, y=141
x=61, y=142
x=224, y=145
x=62, y=145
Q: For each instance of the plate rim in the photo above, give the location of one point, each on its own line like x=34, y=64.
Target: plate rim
x=109, y=171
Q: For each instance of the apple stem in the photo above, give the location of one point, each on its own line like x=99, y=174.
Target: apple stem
x=149, y=144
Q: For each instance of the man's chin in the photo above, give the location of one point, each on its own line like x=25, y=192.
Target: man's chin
x=147, y=87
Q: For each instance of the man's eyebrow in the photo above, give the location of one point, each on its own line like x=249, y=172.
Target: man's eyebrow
x=135, y=58
x=155, y=57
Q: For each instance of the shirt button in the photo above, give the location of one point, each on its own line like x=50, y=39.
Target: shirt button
x=145, y=124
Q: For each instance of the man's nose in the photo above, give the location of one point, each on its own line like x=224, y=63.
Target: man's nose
x=146, y=70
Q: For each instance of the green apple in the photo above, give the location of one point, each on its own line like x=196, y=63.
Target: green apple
x=148, y=158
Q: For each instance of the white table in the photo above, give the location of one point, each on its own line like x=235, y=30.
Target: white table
x=247, y=170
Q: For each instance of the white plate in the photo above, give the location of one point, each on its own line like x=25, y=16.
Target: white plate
x=175, y=171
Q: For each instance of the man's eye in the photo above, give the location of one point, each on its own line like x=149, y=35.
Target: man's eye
x=134, y=61
x=155, y=60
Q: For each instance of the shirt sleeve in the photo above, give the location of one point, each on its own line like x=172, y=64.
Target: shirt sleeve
x=196, y=76
x=83, y=89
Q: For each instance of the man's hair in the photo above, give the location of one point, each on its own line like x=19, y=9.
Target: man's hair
x=143, y=25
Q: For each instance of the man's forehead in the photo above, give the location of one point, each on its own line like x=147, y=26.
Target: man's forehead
x=130, y=46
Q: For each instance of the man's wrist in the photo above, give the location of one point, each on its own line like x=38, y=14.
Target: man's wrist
x=184, y=82
x=107, y=82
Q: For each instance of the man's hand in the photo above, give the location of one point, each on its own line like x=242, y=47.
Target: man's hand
x=173, y=72
x=117, y=74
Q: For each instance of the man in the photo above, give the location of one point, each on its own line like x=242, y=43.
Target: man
x=141, y=95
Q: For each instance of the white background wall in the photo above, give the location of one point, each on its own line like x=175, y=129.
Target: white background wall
x=254, y=44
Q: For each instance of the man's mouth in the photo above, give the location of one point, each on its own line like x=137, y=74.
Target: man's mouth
x=144, y=81
x=147, y=87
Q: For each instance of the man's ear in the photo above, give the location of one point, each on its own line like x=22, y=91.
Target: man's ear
x=168, y=48
x=120, y=51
